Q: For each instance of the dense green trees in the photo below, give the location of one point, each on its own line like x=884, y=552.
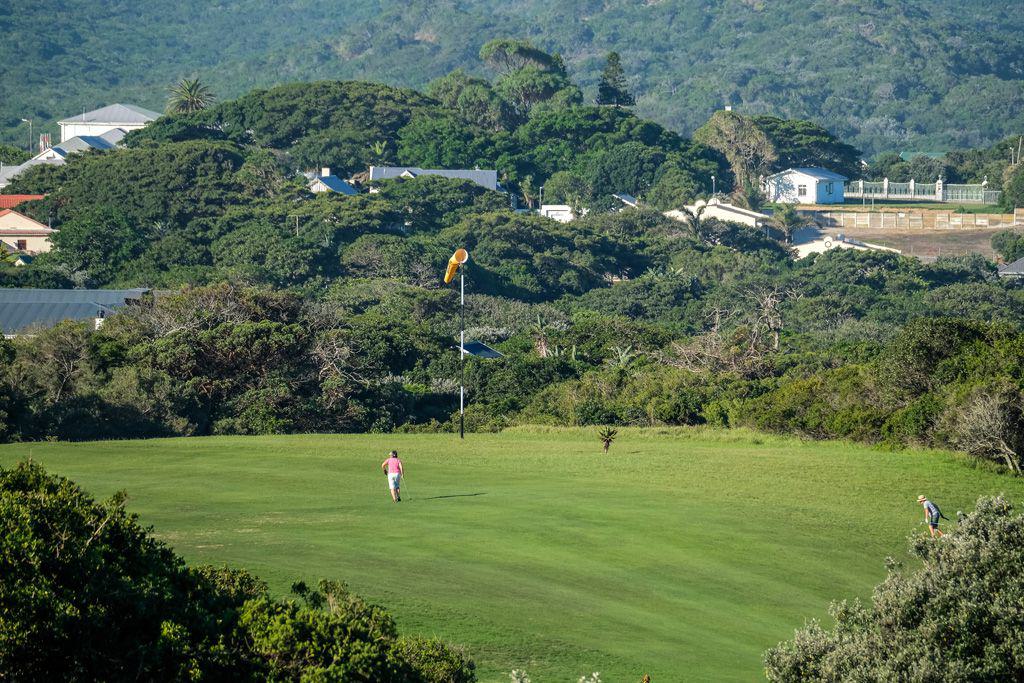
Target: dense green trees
x=11, y=155
x=892, y=76
x=337, y=320
x=1009, y=245
x=88, y=594
x=952, y=617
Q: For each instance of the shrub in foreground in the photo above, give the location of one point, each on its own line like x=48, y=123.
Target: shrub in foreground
x=87, y=594
x=960, y=617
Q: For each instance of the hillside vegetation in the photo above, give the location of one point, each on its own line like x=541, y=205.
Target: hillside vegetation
x=284, y=311
x=889, y=74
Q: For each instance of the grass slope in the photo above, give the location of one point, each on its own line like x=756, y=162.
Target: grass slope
x=683, y=553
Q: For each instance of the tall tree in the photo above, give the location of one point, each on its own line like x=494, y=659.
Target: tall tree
x=510, y=54
x=749, y=150
x=612, y=87
x=11, y=155
x=189, y=96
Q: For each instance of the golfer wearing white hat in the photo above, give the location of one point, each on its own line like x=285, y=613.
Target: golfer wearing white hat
x=931, y=515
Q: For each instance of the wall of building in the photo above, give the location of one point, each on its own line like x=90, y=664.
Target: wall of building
x=830, y=192
x=70, y=130
x=34, y=244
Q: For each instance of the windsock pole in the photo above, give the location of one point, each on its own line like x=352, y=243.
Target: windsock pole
x=462, y=354
x=460, y=257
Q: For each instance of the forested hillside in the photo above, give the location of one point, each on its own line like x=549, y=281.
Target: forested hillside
x=285, y=311
x=883, y=75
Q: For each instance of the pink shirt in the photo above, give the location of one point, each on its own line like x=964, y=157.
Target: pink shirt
x=394, y=465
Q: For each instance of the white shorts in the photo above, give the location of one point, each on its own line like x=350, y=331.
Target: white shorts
x=394, y=480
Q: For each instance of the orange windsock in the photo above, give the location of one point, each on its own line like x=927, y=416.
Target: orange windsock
x=458, y=258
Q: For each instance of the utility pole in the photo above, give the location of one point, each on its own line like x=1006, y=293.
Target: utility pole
x=29, y=122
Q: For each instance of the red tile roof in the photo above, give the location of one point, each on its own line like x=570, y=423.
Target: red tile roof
x=9, y=201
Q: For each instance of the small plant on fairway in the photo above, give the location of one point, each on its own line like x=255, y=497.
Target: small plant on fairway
x=519, y=676
x=607, y=435
x=592, y=678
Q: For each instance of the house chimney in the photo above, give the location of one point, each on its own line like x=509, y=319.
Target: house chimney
x=325, y=171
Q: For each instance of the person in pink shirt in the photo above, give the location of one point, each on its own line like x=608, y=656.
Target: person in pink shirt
x=393, y=467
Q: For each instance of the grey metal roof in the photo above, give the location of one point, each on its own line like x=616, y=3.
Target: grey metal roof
x=336, y=184
x=115, y=113
x=819, y=173
x=21, y=308
x=80, y=143
x=484, y=177
x=114, y=135
x=9, y=172
x=1015, y=269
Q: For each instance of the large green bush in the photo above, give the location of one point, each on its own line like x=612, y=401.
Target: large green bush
x=87, y=594
x=955, y=617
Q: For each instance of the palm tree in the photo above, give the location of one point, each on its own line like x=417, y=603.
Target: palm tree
x=694, y=219
x=379, y=149
x=607, y=435
x=788, y=220
x=189, y=96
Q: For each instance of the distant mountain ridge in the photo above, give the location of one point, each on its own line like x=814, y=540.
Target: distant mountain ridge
x=882, y=74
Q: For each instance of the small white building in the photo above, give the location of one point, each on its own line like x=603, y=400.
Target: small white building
x=21, y=234
x=127, y=117
x=562, y=213
x=827, y=243
x=716, y=208
x=804, y=186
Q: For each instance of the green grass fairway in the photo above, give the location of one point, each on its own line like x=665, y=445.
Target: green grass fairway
x=683, y=553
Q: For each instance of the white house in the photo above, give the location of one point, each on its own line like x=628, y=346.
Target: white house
x=19, y=233
x=827, y=243
x=127, y=117
x=804, y=186
x=716, y=208
x=57, y=154
x=325, y=181
x=562, y=213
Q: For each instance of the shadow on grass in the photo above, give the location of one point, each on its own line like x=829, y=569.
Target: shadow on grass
x=454, y=495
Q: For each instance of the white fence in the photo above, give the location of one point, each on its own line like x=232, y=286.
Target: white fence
x=938, y=191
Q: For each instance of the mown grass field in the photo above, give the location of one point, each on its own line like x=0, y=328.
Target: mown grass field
x=682, y=553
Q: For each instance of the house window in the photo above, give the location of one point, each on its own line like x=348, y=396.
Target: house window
x=22, y=245
x=801, y=190
x=828, y=189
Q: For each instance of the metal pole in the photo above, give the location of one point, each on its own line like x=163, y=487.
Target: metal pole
x=462, y=353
